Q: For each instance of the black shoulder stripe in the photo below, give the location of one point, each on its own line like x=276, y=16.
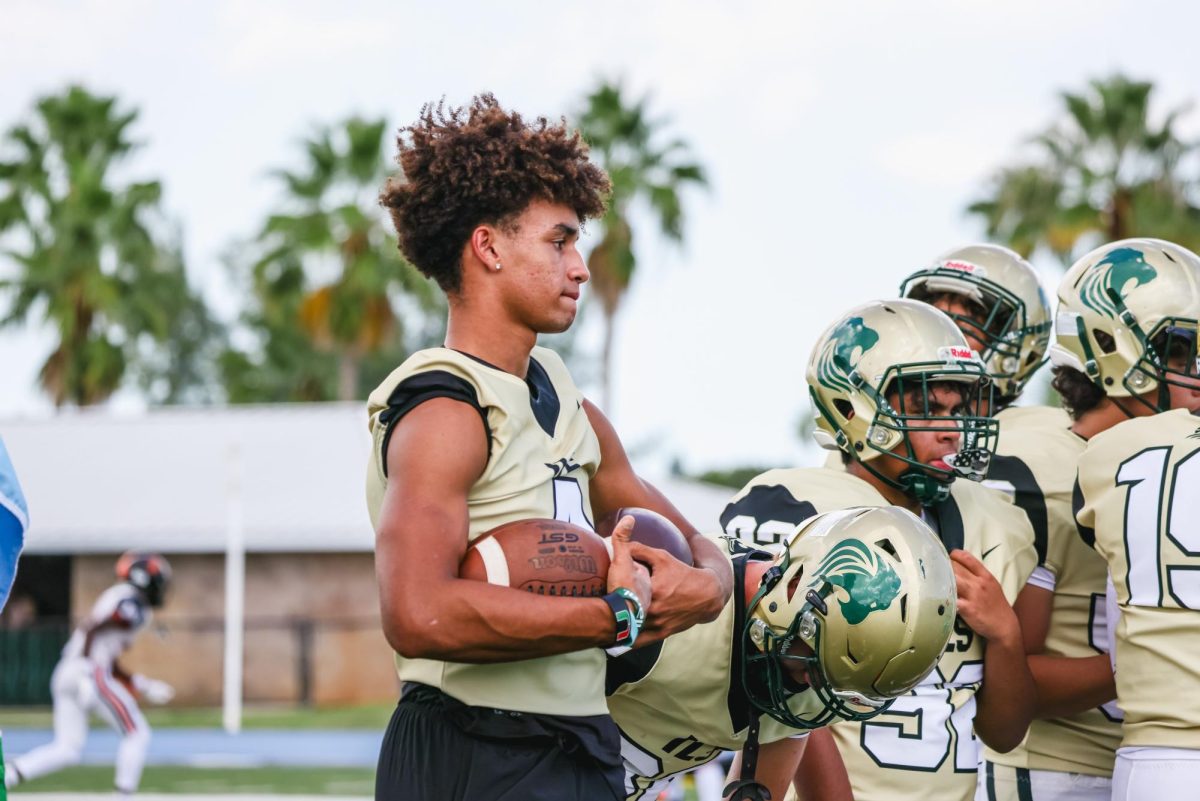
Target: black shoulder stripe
x=630, y=667
x=1088, y=535
x=416, y=389
x=1029, y=497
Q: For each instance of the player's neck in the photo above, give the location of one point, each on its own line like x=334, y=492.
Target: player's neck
x=893, y=495
x=489, y=336
x=1105, y=415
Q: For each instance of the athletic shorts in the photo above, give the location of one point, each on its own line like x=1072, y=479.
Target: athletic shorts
x=438, y=749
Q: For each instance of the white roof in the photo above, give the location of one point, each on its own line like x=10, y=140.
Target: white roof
x=167, y=479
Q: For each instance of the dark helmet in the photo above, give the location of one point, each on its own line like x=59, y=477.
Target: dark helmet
x=149, y=572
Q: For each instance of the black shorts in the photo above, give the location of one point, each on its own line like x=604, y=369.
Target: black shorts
x=438, y=749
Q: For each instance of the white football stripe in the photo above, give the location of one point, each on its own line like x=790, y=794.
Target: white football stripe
x=494, y=563
x=608, y=547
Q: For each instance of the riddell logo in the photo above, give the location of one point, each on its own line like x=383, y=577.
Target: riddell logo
x=961, y=266
x=959, y=354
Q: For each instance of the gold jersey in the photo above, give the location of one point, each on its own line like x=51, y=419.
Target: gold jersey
x=680, y=703
x=924, y=745
x=1137, y=500
x=542, y=452
x=1035, y=466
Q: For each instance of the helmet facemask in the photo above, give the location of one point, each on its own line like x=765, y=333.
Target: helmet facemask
x=1173, y=342
x=1013, y=334
x=912, y=386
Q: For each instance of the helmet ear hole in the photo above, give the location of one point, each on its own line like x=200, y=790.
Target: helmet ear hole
x=843, y=408
x=794, y=584
x=886, y=545
x=904, y=607
x=1104, y=341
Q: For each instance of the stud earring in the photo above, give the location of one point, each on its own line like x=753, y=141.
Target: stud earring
x=497, y=266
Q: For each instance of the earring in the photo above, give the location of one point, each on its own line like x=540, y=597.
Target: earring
x=497, y=266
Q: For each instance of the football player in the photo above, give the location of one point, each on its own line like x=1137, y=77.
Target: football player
x=855, y=611
x=89, y=680
x=488, y=430
x=1127, y=329
x=900, y=393
x=997, y=301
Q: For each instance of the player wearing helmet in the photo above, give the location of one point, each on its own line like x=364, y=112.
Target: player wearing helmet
x=997, y=301
x=1127, y=365
x=855, y=611
x=899, y=392
x=89, y=680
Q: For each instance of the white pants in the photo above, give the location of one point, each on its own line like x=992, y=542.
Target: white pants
x=1156, y=774
x=80, y=687
x=1002, y=783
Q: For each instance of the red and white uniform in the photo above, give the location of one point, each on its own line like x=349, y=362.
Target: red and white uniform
x=83, y=683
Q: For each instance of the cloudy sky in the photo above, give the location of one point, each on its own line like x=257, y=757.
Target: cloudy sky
x=843, y=142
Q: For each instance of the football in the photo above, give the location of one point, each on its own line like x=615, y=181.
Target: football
x=650, y=528
x=547, y=557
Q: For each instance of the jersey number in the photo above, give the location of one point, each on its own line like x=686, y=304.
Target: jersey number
x=568, y=503
x=936, y=723
x=1146, y=476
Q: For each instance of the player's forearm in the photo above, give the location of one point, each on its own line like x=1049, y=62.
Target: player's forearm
x=1005, y=702
x=1068, y=686
x=822, y=775
x=471, y=621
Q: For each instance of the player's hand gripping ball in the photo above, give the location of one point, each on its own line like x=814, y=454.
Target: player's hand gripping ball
x=650, y=528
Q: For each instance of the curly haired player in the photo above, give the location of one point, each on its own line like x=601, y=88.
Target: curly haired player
x=503, y=691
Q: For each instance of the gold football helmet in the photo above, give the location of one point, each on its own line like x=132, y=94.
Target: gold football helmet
x=1125, y=309
x=1014, y=314
x=871, y=593
x=899, y=346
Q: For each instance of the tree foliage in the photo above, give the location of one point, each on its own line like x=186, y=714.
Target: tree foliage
x=332, y=301
x=92, y=258
x=1104, y=171
x=646, y=168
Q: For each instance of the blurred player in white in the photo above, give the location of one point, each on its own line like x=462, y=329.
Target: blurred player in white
x=88, y=678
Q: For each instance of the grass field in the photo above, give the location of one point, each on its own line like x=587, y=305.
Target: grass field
x=374, y=717
x=215, y=781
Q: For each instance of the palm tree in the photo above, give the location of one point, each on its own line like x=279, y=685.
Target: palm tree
x=87, y=261
x=327, y=275
x=624, y=139
x=1103, y=172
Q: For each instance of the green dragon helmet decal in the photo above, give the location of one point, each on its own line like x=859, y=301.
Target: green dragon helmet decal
x=1124, y=265
x=1127, y=311
x=854, y=613
x=846, y=346
x=869, y=583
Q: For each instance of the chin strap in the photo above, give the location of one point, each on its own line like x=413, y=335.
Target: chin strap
x=746, y=788
x=924, y=488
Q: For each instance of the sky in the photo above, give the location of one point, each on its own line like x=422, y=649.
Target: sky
x=843, y=142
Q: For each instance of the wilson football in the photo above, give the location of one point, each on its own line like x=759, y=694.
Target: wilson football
x=547, y=557
x=650, y=528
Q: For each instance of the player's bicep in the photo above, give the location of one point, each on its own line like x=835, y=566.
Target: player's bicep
x=434, y=456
